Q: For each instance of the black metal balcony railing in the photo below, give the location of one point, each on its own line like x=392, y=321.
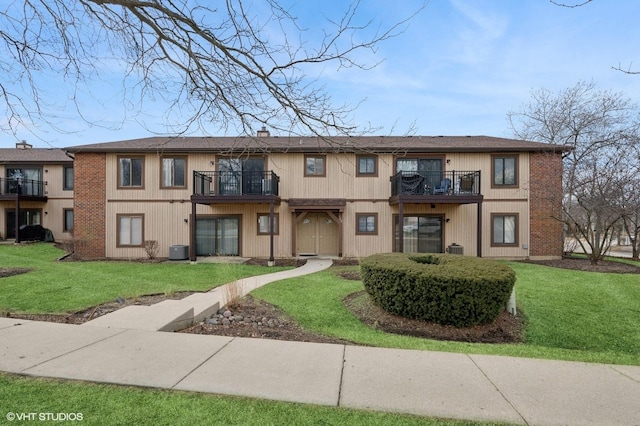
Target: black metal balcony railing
x=454, y=183
x=225, y=183
x=27, y=187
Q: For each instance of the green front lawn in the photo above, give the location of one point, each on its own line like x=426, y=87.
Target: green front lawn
x=570, y=315
x=59, y=287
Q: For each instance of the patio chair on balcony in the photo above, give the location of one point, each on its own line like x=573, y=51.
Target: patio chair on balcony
x=466, y=184
x=445, y=185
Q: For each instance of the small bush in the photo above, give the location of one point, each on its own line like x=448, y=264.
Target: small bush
x=151, y=247
x=442, y=288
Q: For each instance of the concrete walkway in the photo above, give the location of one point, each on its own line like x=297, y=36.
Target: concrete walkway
x=172, y=315
x=439, y=384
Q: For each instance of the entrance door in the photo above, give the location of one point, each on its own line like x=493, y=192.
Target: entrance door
x=217, y=236
x=422, y=234
x=317, y=233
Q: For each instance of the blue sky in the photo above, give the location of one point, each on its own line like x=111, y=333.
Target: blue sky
x=457, y=69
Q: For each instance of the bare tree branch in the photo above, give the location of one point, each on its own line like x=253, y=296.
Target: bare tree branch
x=236, y=65
x=570, y=6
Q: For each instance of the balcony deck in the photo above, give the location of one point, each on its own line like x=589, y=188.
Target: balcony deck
x=450, y=187
x=235, y=187
x=26, y=189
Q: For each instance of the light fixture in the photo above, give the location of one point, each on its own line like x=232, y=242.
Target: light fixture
x=448, y=161
x=186, y=221
x=447, y=220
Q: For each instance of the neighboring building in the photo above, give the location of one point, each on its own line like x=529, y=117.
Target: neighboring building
x=37, y=183
x=350, y=197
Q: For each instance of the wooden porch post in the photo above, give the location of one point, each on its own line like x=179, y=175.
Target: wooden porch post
x=192, y=233
x=271, y=226
x=479, y=236
x=400, y=228
x=17, y=215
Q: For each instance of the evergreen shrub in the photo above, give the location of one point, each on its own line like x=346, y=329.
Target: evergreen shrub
x=444, y=288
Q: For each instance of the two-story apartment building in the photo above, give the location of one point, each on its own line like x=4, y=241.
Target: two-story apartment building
x=36, y=188
x=279, y=197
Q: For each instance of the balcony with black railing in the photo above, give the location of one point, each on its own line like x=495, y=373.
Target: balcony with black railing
x=11, y=188
x=235, y=186
x=436, y=187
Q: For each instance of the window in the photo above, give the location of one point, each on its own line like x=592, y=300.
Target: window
x=174, y=172
x=130, y=172
x=366, y=224
x=263, y=224
x=505, y=170
x=314, y=165
x=367, y=165
x=130, y=230
x=67, y=226
x=67, y=183
x=504, y=229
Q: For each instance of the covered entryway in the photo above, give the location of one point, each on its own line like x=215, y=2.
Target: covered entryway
x=317, y=226
x=317, y=234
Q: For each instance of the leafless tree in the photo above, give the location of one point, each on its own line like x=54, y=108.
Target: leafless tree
x=235, y=64
x=630, y=203
x=601, y=127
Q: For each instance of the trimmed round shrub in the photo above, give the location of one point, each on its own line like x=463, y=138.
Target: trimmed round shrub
x=442, y=288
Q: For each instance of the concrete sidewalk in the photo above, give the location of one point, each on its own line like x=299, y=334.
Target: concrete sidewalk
x=439, y=384
x=449, y=385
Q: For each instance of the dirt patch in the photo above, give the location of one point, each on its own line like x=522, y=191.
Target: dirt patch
x=505, y=329
x=81, y=317
x=580, y=264
x=8, y=272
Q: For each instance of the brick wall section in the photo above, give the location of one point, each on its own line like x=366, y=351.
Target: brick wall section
x=90, y=172
x=546, y=205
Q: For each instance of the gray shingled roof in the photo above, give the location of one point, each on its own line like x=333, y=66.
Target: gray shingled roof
x=315, y=144
x=33, y=156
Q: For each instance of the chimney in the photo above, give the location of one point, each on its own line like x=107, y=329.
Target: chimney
x=263, y=133
x=23, y=145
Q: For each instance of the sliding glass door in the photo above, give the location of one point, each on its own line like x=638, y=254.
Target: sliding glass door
x=421, y=234
x=218, y=236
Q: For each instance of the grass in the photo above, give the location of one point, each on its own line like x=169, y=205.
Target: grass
x=570, y=315
x=100, y=404
x=58, y=287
